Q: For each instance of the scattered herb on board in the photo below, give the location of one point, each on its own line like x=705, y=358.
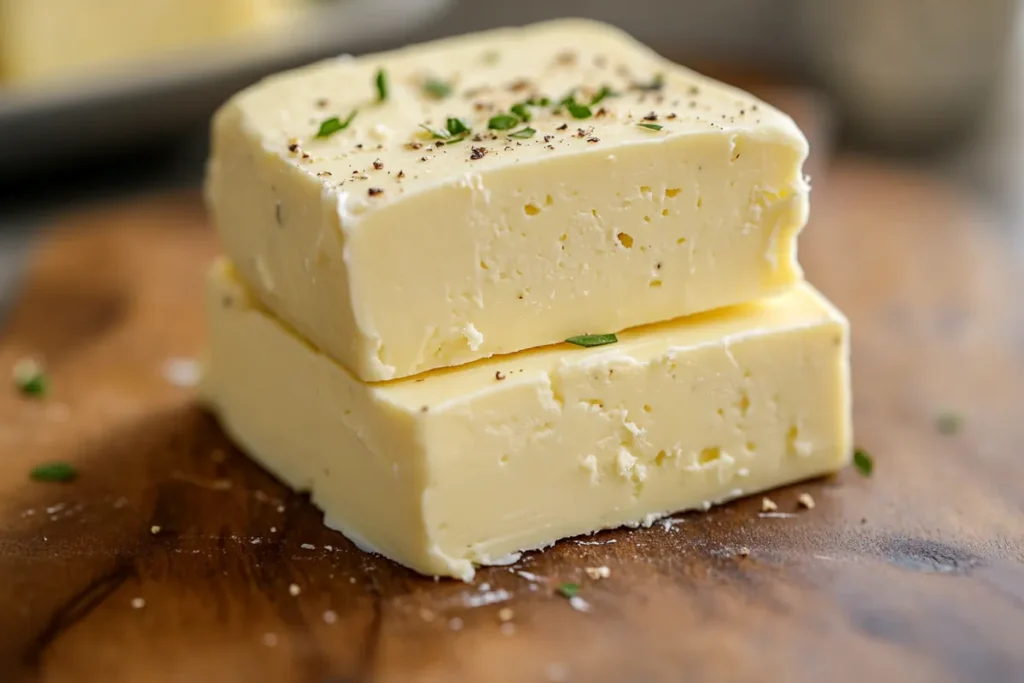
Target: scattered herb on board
x=523, y=133
x=593, y=339
x=54, y=471
x=863, y=461
x=437, y=89
x=502, y=122
x=30, y=378
x=334, y=124
x=569, y=590
x=650, y=126
x=949, y=423
x=381, y=81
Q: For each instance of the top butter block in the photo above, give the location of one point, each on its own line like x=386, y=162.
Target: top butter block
x=599, y=187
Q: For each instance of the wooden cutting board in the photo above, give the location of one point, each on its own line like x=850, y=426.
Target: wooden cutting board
x=916, y=574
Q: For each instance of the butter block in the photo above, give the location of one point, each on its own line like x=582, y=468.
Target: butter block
x=397, y=252
x=472, y=465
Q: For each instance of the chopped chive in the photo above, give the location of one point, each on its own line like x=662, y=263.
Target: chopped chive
x=54, y=471
x=437, y=89
x=381, y=81
x=30, y=378
x=949, y=423
x=334, y=124
x=521, y=111
x=593, y=339
x=604, y=92
x=538, y=101
x=523, y=133
x=502, y=122
x=864, y=463
x=456, y=138
x=650, y=126
x=456, y=126
x=569, y=590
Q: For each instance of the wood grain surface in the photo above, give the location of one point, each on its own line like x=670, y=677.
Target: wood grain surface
x=916, y=574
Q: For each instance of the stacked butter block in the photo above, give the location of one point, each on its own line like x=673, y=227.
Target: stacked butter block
x=413, y=236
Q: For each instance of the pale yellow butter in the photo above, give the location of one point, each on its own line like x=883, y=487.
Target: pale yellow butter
x=46, y=40
x=471, y=465
x=396, y=256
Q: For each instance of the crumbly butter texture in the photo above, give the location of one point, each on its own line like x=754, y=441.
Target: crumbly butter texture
x=397, y=252
x=471, y=465
x=42, y=40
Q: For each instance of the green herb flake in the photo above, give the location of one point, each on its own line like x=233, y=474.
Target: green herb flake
x=538, y=101
x=334, y=124
x=491, y=57
x=650, y=126
x=577, y=110
x=54, y=471
x=604, y=92
x=949, y=423
x=593, y=339
x=381, y=81
x=457, y=138
x=523, y=133
x=502, y=122
x=30, y=378
x=436, y=88
x=569, y=590
x=521, y=110
x=863, y=461
x=456, y=126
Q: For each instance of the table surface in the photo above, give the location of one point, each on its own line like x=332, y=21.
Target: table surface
x=914, y=574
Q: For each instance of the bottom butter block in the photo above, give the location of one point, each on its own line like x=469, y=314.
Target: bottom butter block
x=468, y=466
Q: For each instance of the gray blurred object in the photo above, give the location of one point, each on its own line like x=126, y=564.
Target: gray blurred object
x=908, y=73
x=145, y=101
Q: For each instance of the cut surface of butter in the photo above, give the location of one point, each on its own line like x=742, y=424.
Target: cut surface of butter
x=396, y=252
x=44, y=40
x=470, y=465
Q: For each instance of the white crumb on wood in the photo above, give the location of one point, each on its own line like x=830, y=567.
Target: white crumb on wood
x=138, y=603
x=598, y=572
x=293, y=589
x=805, y=500
x=579, y=604
x=182, y=372
x=488, y=598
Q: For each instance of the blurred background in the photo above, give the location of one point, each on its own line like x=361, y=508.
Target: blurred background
x=108, y=99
